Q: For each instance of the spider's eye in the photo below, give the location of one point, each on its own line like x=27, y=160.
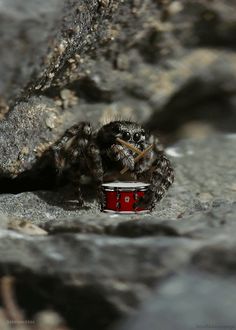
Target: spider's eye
x=126, y=135
x=136, y=137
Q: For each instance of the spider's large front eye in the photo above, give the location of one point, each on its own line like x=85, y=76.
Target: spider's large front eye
x=136, y=137
x=126, y=136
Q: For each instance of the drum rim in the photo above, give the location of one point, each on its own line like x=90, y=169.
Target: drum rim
x=126, y=189
x=115, y=186
x=125, y=212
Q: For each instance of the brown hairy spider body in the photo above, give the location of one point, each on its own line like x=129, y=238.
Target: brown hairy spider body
x=84, y=151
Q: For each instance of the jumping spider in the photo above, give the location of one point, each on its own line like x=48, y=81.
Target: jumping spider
x=84, y=151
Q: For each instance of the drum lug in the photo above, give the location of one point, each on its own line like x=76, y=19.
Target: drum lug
x=118, y=205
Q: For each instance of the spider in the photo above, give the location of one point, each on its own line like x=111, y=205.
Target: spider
x=85, y=151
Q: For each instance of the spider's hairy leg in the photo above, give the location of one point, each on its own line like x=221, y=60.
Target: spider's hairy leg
x=124, y=155
x=75, y=180
x=95, y=162
x=161, y=176
x=95, y=165
x=62, y=146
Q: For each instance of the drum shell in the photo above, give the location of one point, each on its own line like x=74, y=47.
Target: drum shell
x=122, y=199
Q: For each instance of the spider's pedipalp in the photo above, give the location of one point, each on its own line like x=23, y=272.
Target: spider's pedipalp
x=123, y=155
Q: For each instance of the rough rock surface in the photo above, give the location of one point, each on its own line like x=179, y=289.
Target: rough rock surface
x=100, y=59
x=118, y=260
x=188, y=301
x=199, y=186
x=168, y=64
x=26, y=28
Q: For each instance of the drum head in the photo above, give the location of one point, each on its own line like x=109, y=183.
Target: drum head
x=125, y=186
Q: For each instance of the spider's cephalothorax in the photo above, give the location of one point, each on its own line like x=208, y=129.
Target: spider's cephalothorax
x=84, y=151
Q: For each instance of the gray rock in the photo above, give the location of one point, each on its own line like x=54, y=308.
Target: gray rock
x=195, y=198
x=208, y=225
x=122, y=270
x=25, y=30
x=117, y=260
x=32, y=123
x=187, y=301
x=116, y=59
x=219, y=257
x=168, y=64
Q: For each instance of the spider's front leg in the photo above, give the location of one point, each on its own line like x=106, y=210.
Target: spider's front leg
x=160, y=176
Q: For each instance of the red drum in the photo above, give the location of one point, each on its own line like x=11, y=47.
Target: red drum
x=120, y=197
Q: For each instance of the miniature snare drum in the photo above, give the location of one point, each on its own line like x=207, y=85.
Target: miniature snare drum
x=120, y=197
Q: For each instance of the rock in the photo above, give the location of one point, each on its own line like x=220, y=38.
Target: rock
x=32, y=135
x=76, y=268
x=94, y=257
x=208, y=225
x=26, y=227
x=49, y=320
x=219, y=257
x=26, y=28
x=200, y=81
x=133, y=64
x=199, y=187
x=189, y=300
x=80, y=259
x=167, y=64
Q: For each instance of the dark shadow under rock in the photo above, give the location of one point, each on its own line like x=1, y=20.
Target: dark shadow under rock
x=142, y=227
x=82, y=307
